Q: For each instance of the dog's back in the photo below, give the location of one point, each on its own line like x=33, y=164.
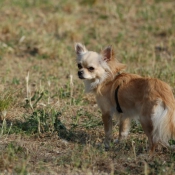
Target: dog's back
x=152, y=101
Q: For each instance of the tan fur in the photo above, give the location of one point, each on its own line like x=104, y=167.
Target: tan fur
x=149, y=100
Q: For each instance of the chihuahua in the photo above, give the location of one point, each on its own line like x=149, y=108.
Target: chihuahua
x=149, y=100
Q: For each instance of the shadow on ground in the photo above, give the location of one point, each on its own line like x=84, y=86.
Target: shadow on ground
x=33, y=125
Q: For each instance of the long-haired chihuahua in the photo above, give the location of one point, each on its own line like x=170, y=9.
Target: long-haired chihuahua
x=149, y=100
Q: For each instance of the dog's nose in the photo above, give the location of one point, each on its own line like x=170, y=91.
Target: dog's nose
x=80, y=73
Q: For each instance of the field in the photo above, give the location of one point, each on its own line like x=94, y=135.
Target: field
x=48, y=125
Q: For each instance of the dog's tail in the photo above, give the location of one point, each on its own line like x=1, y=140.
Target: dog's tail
x=163, y=121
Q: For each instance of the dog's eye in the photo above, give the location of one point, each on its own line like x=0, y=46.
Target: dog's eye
x=79, y=66
x=91, y=68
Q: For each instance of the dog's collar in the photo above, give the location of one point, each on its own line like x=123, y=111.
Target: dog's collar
x=116, y=100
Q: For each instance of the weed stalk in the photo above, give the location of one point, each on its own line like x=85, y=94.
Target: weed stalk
x=4, y=125
x=134, y=150
x=71, y=88
x=28, y=91
x=145, y=168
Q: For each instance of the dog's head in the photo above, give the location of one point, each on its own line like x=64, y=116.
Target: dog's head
x=93, y=67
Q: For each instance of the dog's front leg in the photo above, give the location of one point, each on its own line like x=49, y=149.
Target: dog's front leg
x=107, y=121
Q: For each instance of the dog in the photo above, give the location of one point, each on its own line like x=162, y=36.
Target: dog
x=149, y=100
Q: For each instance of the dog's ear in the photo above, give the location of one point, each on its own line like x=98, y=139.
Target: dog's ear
x=80, y=49
x=108, y=53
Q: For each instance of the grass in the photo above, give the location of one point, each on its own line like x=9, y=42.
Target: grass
x=48, y=125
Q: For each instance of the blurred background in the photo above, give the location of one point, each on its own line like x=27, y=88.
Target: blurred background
x=47, y=124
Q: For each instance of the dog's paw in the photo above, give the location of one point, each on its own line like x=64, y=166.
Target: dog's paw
x=107, y=146
x=104, y=146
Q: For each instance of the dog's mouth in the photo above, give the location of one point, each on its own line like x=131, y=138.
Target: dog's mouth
x=81, y=77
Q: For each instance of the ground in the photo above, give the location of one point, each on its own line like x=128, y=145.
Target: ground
x=48, y=125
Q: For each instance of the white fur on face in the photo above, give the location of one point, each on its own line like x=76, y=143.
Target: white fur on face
x=98, y=75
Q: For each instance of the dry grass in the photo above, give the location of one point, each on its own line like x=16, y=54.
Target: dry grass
x=48, y=125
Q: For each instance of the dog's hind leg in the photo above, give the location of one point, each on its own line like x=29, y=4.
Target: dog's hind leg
x=148, y=128
x=124, y=127
x=151, y=112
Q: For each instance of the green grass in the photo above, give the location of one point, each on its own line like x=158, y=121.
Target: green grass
x=48, y=125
